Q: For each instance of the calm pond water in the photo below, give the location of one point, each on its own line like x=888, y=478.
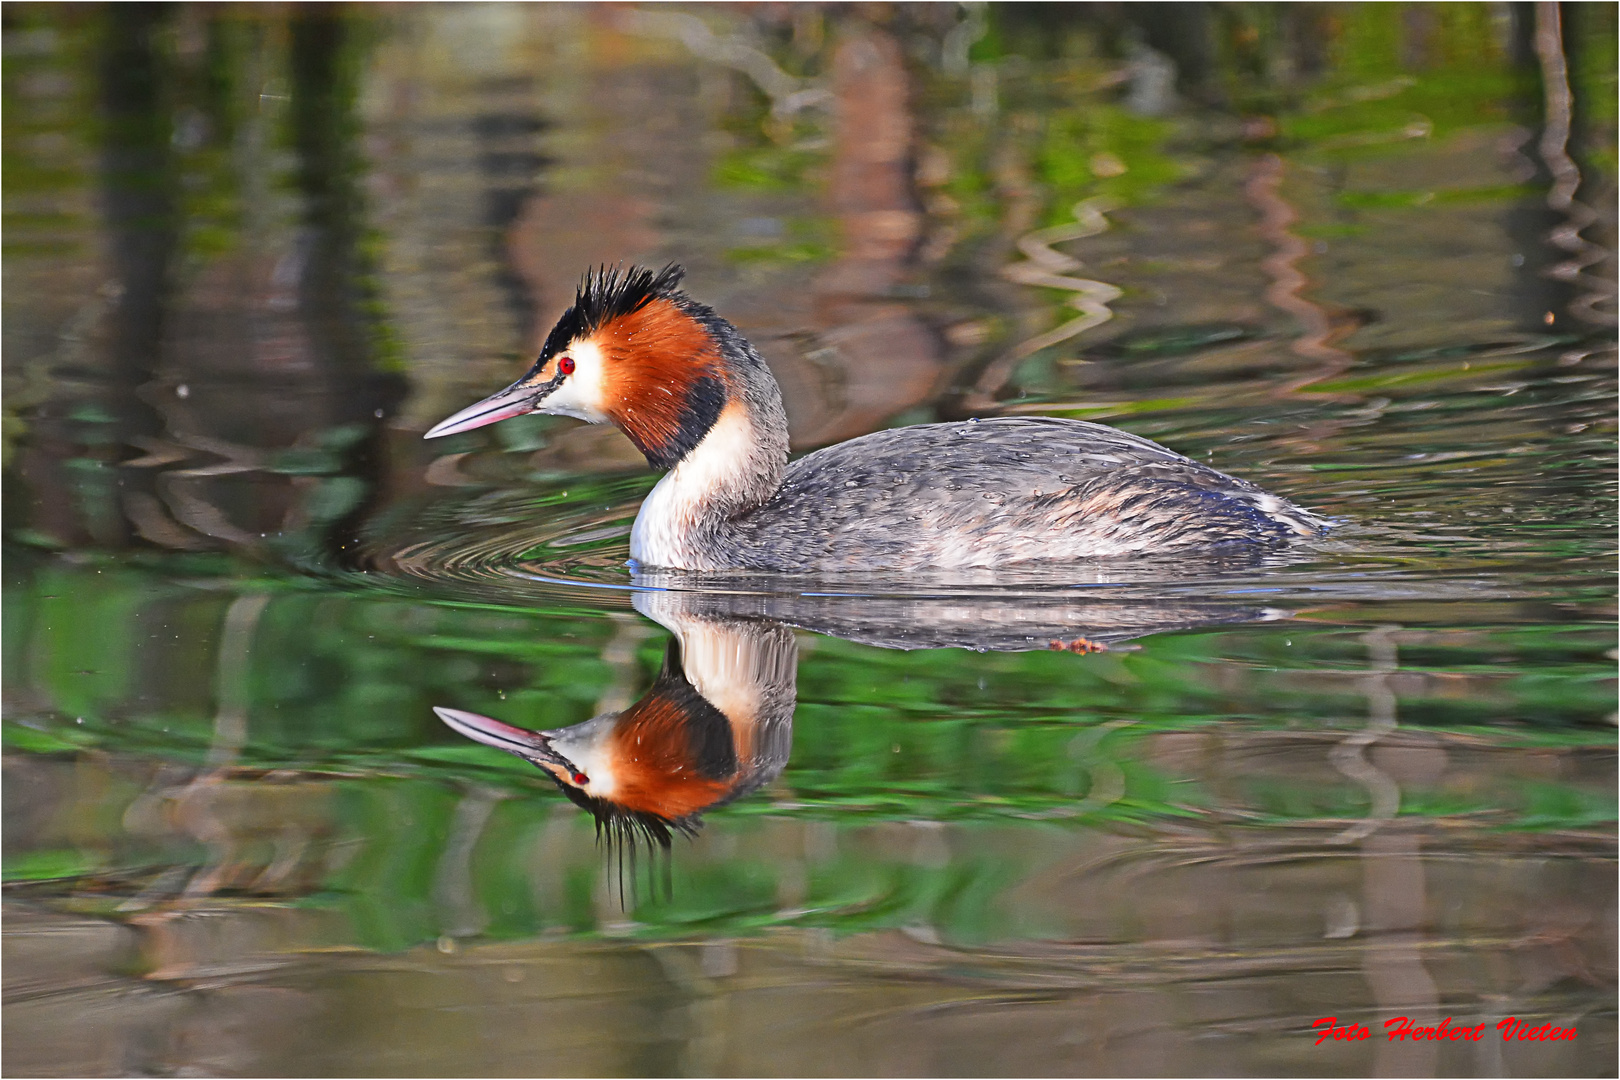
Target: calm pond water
x=1362, y=255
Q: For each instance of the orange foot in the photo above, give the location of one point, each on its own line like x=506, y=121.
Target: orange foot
x=1078, y=645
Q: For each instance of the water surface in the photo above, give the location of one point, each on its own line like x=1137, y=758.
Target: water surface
x=1361, y=255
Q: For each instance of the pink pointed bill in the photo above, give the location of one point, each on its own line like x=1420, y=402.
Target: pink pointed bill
x=491, y=732
x=515, y=400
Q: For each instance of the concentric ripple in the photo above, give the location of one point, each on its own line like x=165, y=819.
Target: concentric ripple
x=513, y=547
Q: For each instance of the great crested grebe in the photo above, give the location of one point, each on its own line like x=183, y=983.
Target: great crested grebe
x=696, y=399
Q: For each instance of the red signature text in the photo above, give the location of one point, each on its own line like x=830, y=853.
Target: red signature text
x=1512, y=1029
x=1401, y=1028
x=1331, y=1030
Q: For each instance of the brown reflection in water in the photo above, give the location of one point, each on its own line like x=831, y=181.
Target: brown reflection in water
x=1394, y=910
x=1319, y=328
x=261, y=834
x=847, y=349
x=558, y=235
x=1403, y=955
x=1566, y=177
x=1392, y=960
x=886, y=358
x=1047, y=268
x=459, y=912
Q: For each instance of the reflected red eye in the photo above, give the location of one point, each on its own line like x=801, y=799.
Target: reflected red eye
x=566, y=365
x=579, y=777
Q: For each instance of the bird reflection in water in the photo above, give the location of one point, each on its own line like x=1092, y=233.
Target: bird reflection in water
x=718, y=721
x=716, y=725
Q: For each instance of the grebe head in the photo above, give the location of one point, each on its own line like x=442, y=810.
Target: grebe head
x=643, y=774
x=636, y=352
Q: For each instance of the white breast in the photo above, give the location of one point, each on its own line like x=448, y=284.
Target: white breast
x=691, y=492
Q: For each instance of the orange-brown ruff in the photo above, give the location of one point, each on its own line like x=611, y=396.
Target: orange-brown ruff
x=660, y=369
x=697, y=399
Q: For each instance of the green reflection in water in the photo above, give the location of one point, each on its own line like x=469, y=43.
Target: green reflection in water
x=218, y=717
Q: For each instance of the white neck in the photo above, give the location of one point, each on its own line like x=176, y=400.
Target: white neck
x=734, y=663
x=730, y=471
x=745, y=668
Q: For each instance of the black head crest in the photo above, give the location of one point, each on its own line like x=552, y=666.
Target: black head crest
x=606, y=294
x=623, y=832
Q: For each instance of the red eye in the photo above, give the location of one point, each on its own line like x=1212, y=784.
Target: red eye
x=566, y=365
x=579, y=777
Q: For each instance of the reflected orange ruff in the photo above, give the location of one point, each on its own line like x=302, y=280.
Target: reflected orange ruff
x=654, y=764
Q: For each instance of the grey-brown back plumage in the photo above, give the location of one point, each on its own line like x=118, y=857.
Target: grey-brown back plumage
x=991, y=492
